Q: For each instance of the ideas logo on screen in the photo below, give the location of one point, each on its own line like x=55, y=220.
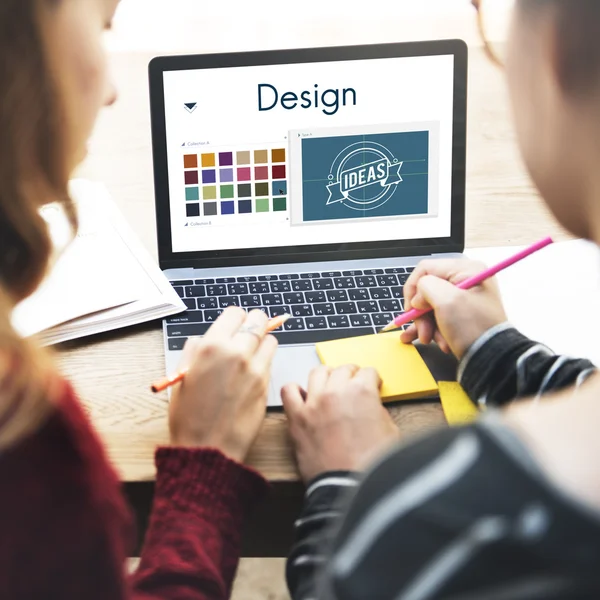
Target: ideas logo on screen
x=364, y=176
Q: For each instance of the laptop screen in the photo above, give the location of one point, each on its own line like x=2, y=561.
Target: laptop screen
x=309, y=154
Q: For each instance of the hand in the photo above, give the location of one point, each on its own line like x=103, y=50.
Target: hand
x=342, y=424
x=460, y=316
x=222, y=400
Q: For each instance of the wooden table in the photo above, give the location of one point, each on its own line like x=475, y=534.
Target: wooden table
x=112, y=371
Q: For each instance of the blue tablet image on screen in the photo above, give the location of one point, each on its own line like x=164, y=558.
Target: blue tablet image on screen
x=365, y=176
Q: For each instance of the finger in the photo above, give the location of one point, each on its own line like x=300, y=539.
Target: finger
x=441, y=342
x=263, y=357
x=293, y=403
x=409, y=335
x=342, y=375
x=227, y=324
x=251, y=333
x=369, y=376
x=438, y=293
x=452, y=270
x=426, y=328
x=317, y=380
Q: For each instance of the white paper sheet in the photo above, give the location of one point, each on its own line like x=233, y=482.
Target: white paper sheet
x=553, y=296
x=104, y=279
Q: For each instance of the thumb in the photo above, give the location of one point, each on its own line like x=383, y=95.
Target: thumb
x=293, y=400
x=434, y=292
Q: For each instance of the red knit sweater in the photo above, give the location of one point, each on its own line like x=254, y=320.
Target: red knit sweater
x=65, y=529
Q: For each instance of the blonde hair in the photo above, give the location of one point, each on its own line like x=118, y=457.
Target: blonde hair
x=33, y=171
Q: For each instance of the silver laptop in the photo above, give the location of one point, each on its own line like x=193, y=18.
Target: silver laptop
x=308, y=182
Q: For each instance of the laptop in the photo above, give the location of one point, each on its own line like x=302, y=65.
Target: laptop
x=307, y=181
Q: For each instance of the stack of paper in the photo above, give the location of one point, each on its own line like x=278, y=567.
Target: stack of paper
x=103, y=280
x=403, y=372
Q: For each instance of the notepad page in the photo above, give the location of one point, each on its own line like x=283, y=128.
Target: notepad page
x=404, y=373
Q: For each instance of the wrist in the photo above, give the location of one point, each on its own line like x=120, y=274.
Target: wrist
x=186, y=440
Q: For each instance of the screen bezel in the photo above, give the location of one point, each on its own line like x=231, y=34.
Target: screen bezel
x=291, y=254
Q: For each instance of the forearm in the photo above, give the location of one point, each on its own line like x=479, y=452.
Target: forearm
x=192, y=545
x=504, y=365
x=322, y=510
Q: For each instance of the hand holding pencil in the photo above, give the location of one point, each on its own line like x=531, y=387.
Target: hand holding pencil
x=222, y=400
x=460, y=316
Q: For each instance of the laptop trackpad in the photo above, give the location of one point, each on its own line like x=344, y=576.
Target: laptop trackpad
x=292, y=364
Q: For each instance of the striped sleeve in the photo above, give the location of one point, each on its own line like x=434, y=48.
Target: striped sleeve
x=504, y=365
x=324, y=500
x=455, y=515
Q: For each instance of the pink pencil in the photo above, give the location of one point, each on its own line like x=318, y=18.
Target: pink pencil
x=413, y=314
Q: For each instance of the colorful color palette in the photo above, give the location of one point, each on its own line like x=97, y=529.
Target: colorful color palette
x=229, y=182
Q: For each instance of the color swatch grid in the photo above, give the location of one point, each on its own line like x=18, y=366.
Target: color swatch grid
x=229, y=183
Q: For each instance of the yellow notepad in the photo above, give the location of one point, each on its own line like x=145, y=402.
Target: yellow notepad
x=404, y=373
x=458, y=407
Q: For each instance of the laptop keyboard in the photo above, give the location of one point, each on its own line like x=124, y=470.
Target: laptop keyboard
x=324, y=305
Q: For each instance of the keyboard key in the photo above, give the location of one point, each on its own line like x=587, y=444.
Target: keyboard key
x=396, y=270
x=324, y=309
x=215, y=290
x=382, y=319
x=294, y=325
x=344, y=283
x=310, y=275
x=392, y=305
x=191, y=316
x=190, y=303
x=397, y=292
x=402, y=279
x=323, y=284
x=366, y=281
x=302, y=310
x=360, y=321
x=359, y=294
x=346, y=308
x=259, y=288
x=290, y=276
x=314, y=297
x=226, y=280
x=194, y=291
x=212, y=315
x=263, y=308
x=386, y=280
x=182, y=283
x=236, y=289
x=331, y=274
x=294, y=298
x=280, y=286
x=277, y=311
x=187, y=330
x=302, y=285
x=225, y=301
x=373, y=271
x=180, y=292
x=354, y=273
x=272, y=299
x=368, y=307
x=268, y=278
x=177, y=343
x=380, y=293
x=337, y=296
x=316, y=323
x=250, y=301
x=208, y=302
x=337, y=322
x=410, y=269
x=246, y=279
x=204, y=281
